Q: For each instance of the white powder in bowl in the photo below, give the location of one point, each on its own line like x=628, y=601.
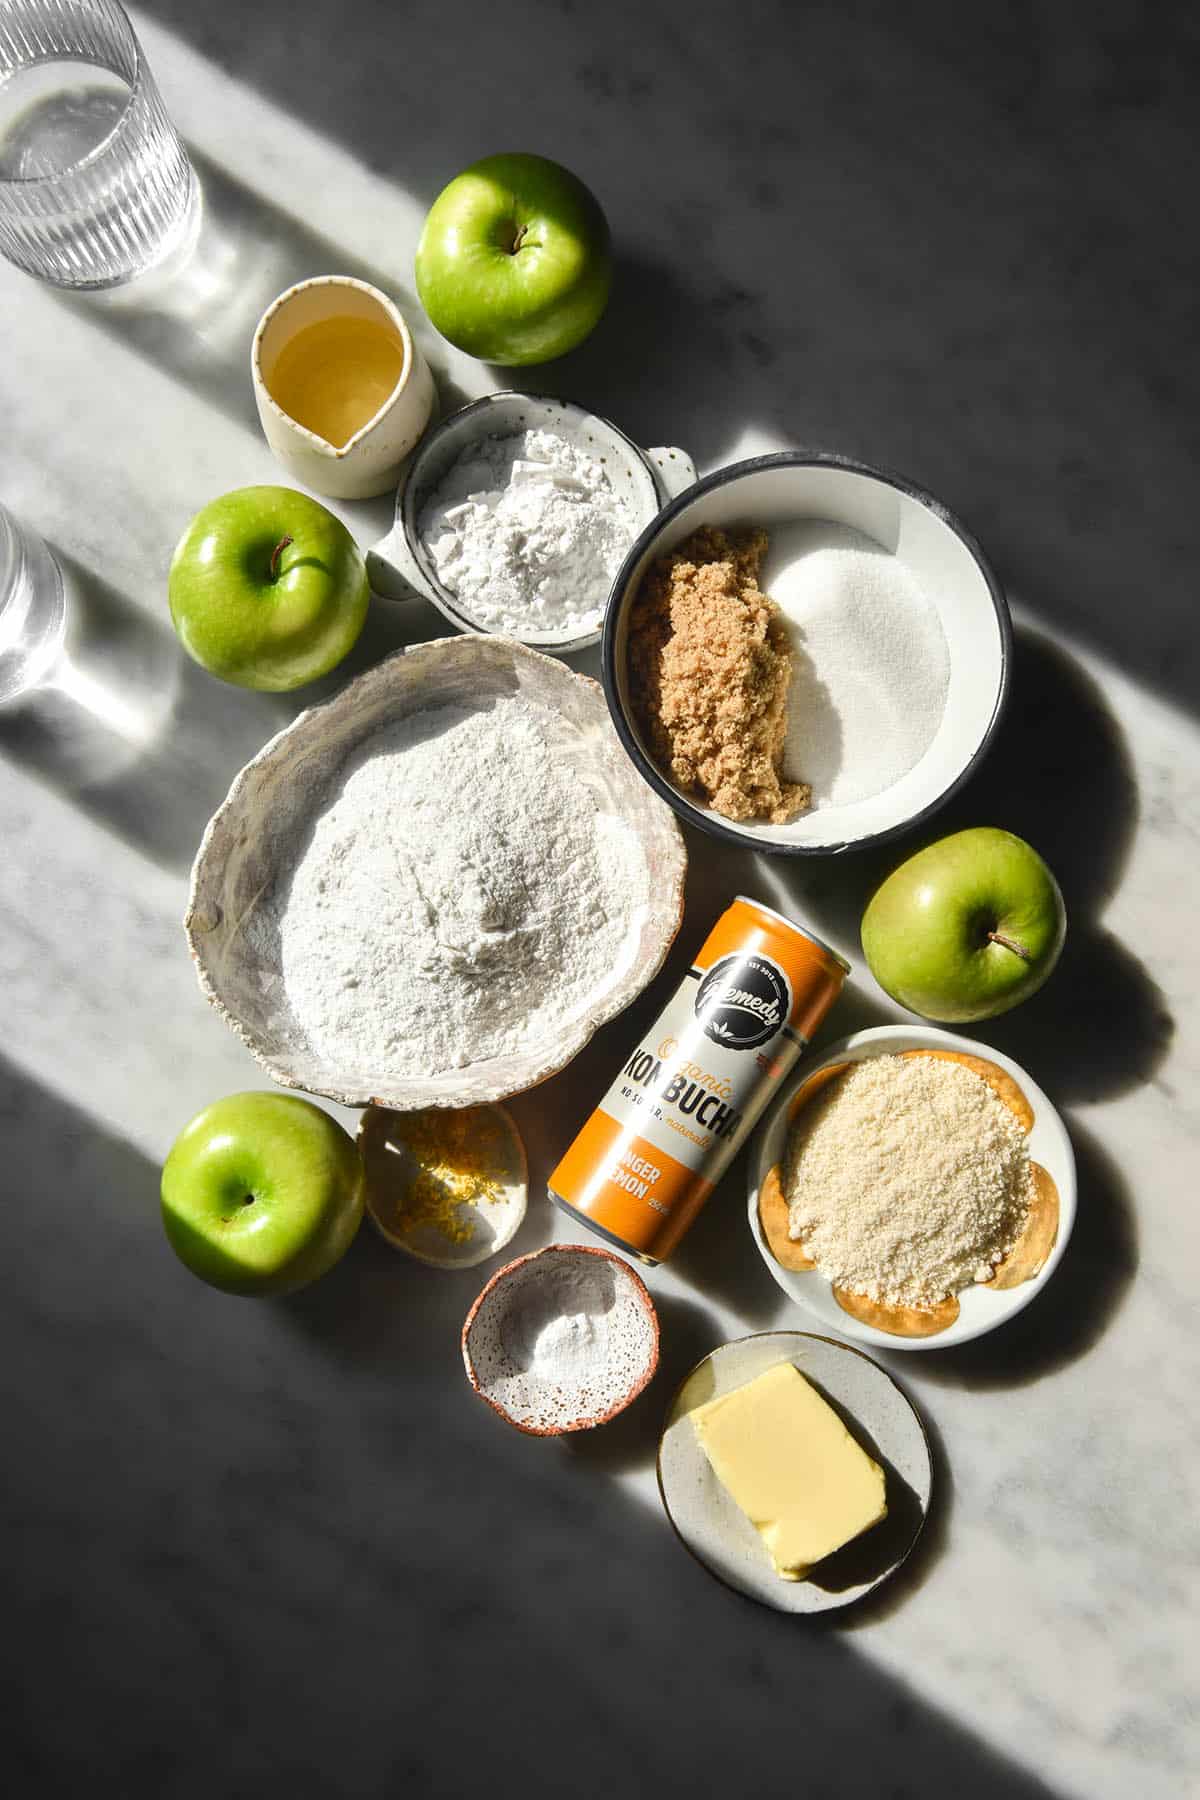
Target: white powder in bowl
x=460, y=893
x=527, y=532
x=562, y=1339
x=870, y=665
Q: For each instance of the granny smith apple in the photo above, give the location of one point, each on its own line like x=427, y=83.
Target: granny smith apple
x=267, y=589
x=967, y=927
x=261, y=1193
x=513, y=265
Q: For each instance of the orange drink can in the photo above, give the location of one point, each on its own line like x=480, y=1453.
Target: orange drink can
x=692, y=1090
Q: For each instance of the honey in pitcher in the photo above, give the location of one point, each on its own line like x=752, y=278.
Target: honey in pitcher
x=336, y=374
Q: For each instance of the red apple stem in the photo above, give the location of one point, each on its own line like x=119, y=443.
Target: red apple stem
x=998, y=937
x=277, y=552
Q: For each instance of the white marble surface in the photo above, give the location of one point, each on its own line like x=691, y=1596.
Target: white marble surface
x=475, y=1585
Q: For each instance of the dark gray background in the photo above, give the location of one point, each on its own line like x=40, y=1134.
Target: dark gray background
x=290, y=1554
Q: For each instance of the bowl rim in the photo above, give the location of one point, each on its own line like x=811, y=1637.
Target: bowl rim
x=566, y=643
x=638, y=1386
x=619, y=597
x=672, y=884
x=875, y=1040
x=520, y=1206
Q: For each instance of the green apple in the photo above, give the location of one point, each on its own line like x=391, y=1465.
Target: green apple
x=966, y=928
x=261, y=1193
x=513, y=264
x=267, y=589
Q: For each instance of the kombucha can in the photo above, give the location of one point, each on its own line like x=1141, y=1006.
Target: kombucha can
x=692, y=1089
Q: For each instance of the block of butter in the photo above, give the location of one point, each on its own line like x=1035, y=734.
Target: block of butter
x=790, y=1464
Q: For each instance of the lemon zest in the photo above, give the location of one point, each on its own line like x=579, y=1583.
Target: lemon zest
x=458, y=1157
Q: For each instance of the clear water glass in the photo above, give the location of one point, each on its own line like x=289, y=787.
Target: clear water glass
x=95, y=186
x=33, y=613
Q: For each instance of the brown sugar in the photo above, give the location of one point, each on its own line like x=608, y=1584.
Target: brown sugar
x=709, y=669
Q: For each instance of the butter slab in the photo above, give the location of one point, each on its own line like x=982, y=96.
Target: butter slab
x=785, y=1458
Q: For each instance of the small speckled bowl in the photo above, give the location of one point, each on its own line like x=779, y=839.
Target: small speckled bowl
x=400, y=566
x=527, y=1299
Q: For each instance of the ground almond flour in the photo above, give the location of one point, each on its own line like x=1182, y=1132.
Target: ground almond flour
x=710, y=666
x=907, y=1179
x=460, y=894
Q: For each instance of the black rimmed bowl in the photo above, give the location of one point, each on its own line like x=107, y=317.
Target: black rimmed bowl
x=793, y=488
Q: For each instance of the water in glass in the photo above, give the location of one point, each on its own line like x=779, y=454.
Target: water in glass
x=95, y=186
x=32, y=609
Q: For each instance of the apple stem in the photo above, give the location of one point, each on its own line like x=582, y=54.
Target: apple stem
x=277, y=552
x=998, y=937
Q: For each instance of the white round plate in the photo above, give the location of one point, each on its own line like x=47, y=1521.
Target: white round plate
x=877, y=1413
x=981, y=1308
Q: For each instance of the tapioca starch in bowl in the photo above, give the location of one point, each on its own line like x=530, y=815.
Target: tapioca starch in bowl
x=527, y=532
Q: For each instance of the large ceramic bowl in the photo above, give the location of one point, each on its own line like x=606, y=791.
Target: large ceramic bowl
x=787, y=490
x=982, y=1307
x=242, y=872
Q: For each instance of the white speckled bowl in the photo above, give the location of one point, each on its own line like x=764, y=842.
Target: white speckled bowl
x=400, y=566
x=242, y=870
x=531, y=1294
x=982, y=1307
x=877, y=1413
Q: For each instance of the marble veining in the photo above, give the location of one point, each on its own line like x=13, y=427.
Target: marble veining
x=282, y=1546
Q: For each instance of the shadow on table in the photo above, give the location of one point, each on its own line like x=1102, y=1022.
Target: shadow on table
x=138, y=735
x=1078, y=1302
x=219, y=1490
x=1059, y=774
x=196, y=319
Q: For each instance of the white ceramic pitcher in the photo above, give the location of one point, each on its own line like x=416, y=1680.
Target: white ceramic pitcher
x=368, y=463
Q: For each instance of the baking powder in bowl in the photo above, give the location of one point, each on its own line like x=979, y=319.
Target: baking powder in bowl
x=460, y=893
x=527, y=532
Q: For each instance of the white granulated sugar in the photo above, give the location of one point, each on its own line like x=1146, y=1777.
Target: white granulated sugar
x=460, y=894
x=907, y=1179
x=527, y=532
x=870, y=666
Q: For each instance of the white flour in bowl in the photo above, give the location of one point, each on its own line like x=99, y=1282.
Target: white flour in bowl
x=527, y=532
x=460, y=894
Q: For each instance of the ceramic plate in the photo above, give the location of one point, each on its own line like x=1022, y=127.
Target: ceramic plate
x=875, y=1411
x=982, y=1308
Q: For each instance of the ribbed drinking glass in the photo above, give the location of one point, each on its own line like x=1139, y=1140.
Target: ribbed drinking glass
x=32, y=609
x=95, y=186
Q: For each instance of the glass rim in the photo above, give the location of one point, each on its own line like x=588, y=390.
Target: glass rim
x=137, y=86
